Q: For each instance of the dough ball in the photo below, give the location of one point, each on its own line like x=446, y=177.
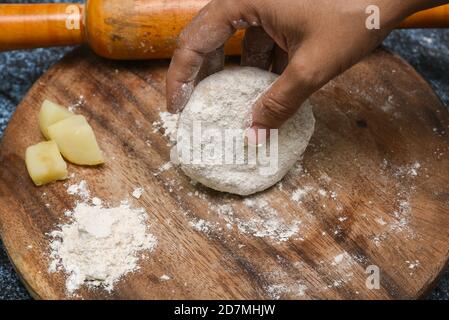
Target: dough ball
x=223, y=101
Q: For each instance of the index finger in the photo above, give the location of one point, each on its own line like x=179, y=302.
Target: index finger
x=207, y=32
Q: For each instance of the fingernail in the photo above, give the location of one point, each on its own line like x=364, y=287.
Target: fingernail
x=240, y=24
x=253, y=136
x=181, y=97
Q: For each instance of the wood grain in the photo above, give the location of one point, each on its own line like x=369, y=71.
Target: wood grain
x=369, y=203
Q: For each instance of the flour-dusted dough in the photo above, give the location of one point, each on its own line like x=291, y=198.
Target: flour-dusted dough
x=223, y=101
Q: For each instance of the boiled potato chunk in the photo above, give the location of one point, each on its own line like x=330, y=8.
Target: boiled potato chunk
x=50, y=114
x=45, y=164
x=76, y=141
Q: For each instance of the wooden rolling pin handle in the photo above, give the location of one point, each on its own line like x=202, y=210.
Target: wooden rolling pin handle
x=26, y=26
x=433, y=18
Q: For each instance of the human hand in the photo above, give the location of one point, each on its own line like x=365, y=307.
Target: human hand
x=307, y=42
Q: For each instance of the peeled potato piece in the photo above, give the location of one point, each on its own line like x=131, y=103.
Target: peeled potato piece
x=51, y=113
x=76, y=141
x=45, y=164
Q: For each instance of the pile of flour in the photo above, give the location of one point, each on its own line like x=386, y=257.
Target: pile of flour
x=99, y=245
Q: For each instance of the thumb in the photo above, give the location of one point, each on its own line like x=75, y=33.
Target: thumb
x=303, y=76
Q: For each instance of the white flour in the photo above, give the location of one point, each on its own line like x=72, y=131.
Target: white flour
x=74, y=107
x=266, y=222
x=202, y=225
x=99, y=245
x=79, y=189
x=165, y=167
x=164, y=277
x=169, y=122
x=410, y=171
x=277, y=291
x=299, y=194
x=138, y=192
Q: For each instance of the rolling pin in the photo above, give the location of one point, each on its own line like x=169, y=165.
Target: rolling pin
x=127, y=29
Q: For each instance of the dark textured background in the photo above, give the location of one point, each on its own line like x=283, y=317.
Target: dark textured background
x=426, y=50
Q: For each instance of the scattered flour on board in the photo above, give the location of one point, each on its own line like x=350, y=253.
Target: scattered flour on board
x=381, y=221
x=79, y=189
x=408, y=170
x=299, y=194
x=168, y=122
x=164, y=277
x=413, y=264
x=165, y=167
x=276, y=291
x=96, y=201
x=339, y=258
x=74, y=107
x=138, y=192
x=343, y=260
x=202, y=225
x=401, y=215
x=264, y=222
x=99, y=245
x=267, y=223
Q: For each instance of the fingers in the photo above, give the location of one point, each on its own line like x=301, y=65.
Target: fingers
x=181, y=75
x=304, y=75
x=204, y=35
x=213, y=62
x=280, y=60
x=257, y=48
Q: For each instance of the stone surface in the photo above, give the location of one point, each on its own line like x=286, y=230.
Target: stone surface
x=426, y=50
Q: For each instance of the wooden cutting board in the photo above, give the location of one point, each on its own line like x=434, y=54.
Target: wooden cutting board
x=373, y=190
